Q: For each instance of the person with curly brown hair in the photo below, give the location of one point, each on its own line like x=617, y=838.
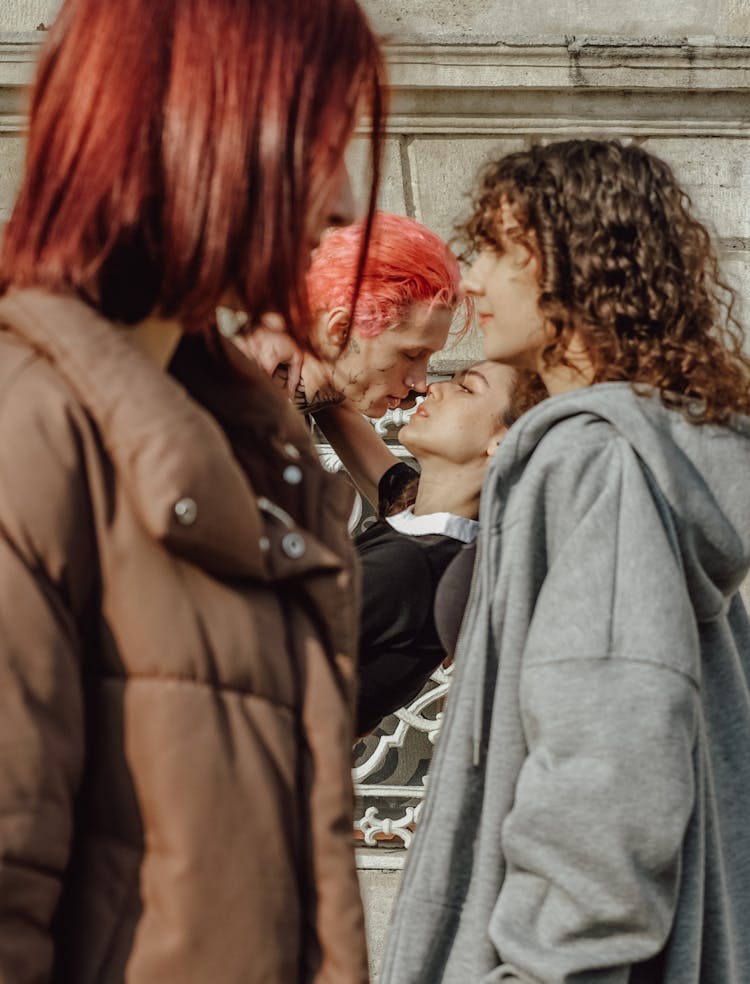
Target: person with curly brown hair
x=587, y=810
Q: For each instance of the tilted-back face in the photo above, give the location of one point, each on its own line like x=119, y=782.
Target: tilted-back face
x=181, y=151
x=462, y=419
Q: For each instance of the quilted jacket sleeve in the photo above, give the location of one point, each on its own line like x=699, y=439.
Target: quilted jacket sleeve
x=44, y=552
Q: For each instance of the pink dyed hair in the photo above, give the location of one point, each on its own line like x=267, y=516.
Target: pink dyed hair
x=406, y=264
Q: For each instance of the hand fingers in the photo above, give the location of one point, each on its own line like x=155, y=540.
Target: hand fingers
x=294, y=370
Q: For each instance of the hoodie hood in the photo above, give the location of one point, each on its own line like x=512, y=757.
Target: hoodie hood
x=701, y=470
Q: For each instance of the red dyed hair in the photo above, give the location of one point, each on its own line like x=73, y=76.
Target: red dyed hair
x=406, y=264
x=177, y=148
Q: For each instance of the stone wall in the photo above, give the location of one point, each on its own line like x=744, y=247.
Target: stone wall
x=27, y=15
x=478, y=21
x=456, y=105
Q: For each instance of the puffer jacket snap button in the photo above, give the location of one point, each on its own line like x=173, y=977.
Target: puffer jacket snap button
x=293, y=545
x=186, y=511
x=292, y=474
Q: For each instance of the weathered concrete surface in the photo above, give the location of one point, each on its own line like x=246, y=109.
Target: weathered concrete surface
x=485, y=20
x=736, y=268
x=379, y=891
x=715, y=172
x=11, y=163
x=27, y=15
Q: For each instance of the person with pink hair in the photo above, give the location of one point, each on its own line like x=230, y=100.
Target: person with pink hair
x=373, y=357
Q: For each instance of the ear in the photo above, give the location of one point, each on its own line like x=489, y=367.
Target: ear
x=334, y=332
x=495, y=441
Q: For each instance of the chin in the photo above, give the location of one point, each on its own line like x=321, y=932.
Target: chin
x=493, y=353
x=374, y=410
x=404, y=438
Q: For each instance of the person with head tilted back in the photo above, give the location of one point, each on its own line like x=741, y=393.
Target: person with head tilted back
x=429, y=523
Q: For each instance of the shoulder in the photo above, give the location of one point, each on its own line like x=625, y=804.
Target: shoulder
x=387, y=554
x=568, y=466
x=575, y=440
x=34, y=396
x=395, y=564
x=398, y=580
x=381, y=543
x=44, y=497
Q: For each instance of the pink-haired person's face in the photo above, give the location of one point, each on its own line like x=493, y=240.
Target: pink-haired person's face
x=376, y=374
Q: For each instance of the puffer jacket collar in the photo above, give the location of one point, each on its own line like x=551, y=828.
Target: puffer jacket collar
x=171, y=456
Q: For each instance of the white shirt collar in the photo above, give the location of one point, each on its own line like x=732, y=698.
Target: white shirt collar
x=448, y=524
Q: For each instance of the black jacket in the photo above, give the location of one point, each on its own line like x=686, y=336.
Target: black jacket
x=399, y=645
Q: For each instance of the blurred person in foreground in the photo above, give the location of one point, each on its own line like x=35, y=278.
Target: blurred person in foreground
x=177, y=588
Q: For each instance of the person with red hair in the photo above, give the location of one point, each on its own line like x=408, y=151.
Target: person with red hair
x=371, y=356
x=177, y=610
x=408, y=296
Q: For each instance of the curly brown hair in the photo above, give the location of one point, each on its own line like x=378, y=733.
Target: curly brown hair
x=625, y=264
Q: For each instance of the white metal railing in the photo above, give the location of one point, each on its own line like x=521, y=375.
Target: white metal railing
x=391, y=771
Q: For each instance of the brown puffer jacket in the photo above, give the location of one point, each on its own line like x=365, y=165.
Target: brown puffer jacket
x=177, y=618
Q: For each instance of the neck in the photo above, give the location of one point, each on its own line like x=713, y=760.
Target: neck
x=577, y=373
x=447, y=487
x=157, y=338
x=317, y=382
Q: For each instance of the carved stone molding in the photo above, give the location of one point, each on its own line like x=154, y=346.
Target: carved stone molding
x=18, y=55
x=643, y=87
x=694, y=86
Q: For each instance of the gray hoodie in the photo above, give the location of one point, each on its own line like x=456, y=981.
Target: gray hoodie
x=588, y=813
